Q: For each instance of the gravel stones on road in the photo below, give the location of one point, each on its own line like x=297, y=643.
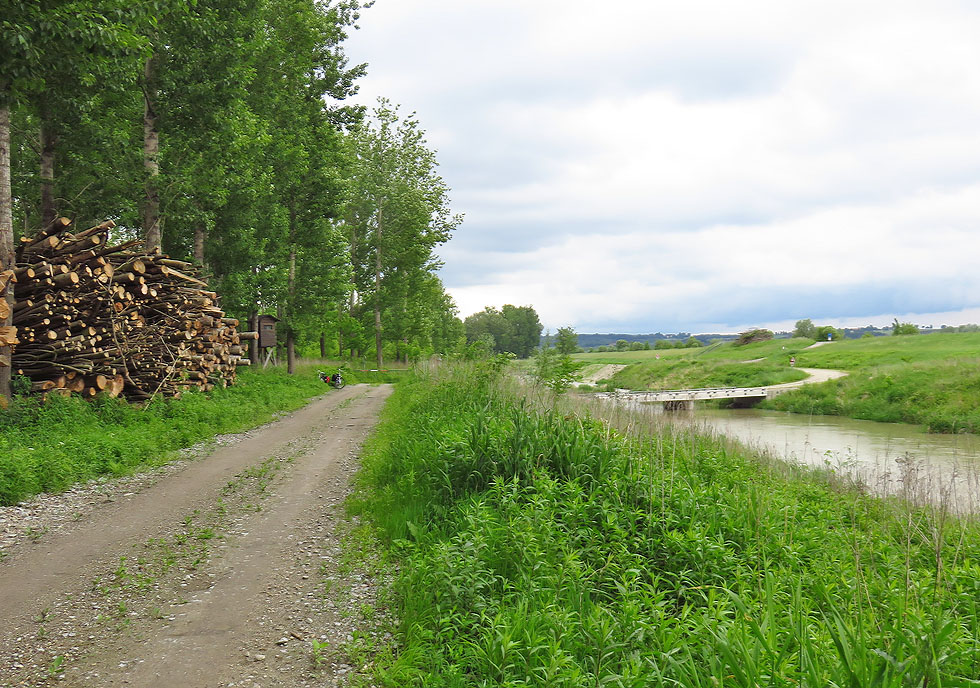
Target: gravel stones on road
x=252, y=589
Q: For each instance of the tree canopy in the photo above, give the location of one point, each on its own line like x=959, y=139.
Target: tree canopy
x=513, y=329
x=219, y=131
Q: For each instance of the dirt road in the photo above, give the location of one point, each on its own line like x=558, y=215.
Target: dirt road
x=814, y=376
x=593, y=373
x=230, y=571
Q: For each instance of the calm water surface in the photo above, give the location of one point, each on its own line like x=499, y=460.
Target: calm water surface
x=888, y=457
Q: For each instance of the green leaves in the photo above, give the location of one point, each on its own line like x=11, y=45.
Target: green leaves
x=397, y=212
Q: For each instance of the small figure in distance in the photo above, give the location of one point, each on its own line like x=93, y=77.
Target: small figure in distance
x=792, y=361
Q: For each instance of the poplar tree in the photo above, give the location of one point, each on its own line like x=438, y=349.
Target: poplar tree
x=399, y=210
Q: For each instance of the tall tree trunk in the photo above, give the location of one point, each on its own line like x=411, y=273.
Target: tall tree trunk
x=254, y=353
x=377, y=295
x=6, y=241
x=290, y=337
x=253, y=344
x=323, y=345
x=340, y=331
x=49, y=141
x=152, y=232
x=200, y=235
x=291, y=291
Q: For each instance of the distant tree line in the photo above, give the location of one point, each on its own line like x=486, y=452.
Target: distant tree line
x=218, y=131
x=593, y=340
x=806, y=328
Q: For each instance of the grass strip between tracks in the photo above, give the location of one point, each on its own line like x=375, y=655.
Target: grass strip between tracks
x=47, y=447
x=540, y=547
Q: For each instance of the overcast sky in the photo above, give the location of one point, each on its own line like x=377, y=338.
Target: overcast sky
x=697, y=165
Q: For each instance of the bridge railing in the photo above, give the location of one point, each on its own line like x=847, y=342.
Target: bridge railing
x=692, y=394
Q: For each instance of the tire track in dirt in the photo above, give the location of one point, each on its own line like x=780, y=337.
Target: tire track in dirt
x=205, y=643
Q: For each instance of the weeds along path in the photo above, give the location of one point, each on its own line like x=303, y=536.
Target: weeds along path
x=197, y=579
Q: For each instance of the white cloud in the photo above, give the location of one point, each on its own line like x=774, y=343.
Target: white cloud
x=704, y=162
x=679, y=278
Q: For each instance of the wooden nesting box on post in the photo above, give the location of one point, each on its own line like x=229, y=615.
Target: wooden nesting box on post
x=266, y=326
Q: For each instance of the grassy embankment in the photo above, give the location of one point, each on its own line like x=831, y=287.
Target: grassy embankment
x=541, y=548
x=47, y=447
x=721, y=365
x=932, y=380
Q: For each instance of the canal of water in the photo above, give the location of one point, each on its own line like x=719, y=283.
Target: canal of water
x=892, y=458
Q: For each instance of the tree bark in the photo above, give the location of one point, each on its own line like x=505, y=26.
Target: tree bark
x=291, y=289
x=6, y=241
x=200, y=235
x=377, y=294
x=253, y=345
x=49, y=141
x=152, y=233
x=323, y=345
x=340, y=330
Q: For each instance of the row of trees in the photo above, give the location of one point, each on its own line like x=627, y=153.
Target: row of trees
x=218, y=130
x=511, y=329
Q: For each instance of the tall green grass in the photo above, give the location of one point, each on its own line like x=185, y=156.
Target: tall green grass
x=542, y=548
x=47, y=447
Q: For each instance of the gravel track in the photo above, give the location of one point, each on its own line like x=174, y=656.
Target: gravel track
x=221, y=571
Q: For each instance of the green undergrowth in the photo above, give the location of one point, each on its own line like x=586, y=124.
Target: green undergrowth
x=47, y=447
x=941, y=395
x=678, y=373
x=542, y=548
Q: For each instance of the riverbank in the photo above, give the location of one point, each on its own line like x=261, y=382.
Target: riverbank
x=541, y=546
x=929, y=380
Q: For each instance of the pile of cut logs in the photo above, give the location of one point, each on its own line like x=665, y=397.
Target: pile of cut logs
x=92, y=317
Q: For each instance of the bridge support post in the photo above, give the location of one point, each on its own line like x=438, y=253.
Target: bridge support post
x=679, y=405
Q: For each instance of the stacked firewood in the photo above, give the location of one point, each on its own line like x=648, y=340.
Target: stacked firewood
x=93, y=317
